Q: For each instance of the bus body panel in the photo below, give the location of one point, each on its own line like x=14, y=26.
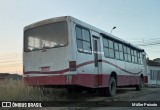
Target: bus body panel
x=86, y=74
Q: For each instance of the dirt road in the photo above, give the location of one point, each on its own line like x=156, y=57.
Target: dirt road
x=123, y=94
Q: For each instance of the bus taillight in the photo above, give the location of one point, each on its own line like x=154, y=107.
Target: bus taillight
x=72, y=65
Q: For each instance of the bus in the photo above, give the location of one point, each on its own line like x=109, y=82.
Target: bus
x=67, y=52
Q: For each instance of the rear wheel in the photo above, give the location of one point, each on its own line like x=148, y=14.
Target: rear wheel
x=110, y=90
x=141, y=84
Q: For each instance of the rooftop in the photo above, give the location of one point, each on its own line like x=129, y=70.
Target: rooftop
x=153, y=63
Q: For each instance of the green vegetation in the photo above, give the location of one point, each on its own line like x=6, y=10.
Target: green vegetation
x=17, y=90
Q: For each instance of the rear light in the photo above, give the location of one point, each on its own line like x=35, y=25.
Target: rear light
x=72, y=65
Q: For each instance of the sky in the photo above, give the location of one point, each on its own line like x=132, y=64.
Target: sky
x=136, y=21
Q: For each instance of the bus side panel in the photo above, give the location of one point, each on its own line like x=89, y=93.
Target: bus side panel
x=108, y=66
x=85, y=65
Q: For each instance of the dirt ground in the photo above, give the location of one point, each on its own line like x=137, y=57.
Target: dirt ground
x=123, y=94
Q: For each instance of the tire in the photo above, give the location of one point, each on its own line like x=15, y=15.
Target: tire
x=112, y=88
x=141, y=84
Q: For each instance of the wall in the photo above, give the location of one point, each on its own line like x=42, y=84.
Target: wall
x=153, y=73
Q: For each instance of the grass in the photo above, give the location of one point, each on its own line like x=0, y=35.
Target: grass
x=17, y=90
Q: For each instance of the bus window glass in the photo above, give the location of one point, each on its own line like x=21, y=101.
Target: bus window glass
x=125, y=49
x=105, y=42
x=79, y=33
x=121, y=55
x=117, y=54
x=138, y=57
x=125, y=53
x=128, y=50
x=111, y=53
x=86, y=35
x=120, y=48
x=46, y=36
x=106, y=52
x=116, y=46
x=121, y=52
x=132, y=54
x=86, y=46
x=129, y=57
x=110, y=44
x=83, y=40
x=135, y=54
x=141, y=62
x=129, y=54
x=79, y=44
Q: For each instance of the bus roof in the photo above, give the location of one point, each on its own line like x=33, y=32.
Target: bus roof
x=79, y=22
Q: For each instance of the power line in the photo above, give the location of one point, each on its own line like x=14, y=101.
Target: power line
x=144, y=40
x=148, y=44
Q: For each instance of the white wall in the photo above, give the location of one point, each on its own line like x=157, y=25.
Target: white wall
x=153, y=73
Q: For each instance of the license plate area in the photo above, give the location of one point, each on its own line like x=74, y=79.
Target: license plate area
x=45, y=69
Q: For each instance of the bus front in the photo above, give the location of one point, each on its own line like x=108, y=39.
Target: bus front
x=46, y=53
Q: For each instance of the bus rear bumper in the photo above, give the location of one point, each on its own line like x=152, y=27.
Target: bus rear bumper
x=51, y=80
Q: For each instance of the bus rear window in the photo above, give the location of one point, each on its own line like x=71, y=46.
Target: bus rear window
x=46, y=36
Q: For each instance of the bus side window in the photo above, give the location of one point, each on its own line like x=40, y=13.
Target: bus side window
x=111, y=49
x=125, y=53
x=135, y=54
x=129, y=54
x=121, y=52
x=117, y=53
x=139, y=59
x=132, y=55
x=83, y=40
x=79, y=38
x=106, y=47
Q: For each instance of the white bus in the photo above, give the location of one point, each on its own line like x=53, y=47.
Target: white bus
x=65, y=51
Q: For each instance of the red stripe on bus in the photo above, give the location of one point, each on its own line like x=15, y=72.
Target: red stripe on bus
x=87, y=80
x=50, y=72
x=85, y=63
x=78, y=66
x=119, y=67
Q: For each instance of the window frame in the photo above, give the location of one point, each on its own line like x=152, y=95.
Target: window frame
x=117, y=50
x=125, y=52
x=105, y=47
x=121, y=51
x=82, y=27
x=129, y=53
x=108, y=47
x=136, y=56
x=141, y=58
x=25, y=38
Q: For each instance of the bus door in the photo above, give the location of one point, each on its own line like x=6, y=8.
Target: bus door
x=96, y=51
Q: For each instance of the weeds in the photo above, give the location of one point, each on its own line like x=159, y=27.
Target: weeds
x=17, y=90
